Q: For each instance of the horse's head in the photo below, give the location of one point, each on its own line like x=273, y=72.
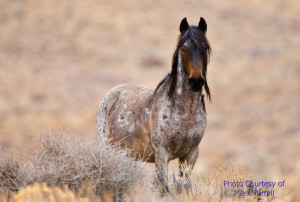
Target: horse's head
x=194, y=49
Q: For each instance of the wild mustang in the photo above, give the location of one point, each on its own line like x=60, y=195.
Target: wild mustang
x=168, y=122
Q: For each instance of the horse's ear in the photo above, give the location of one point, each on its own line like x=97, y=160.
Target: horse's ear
x=184, y=25
x=202, y=25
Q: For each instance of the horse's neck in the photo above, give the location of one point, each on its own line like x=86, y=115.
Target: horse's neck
x=185, y=98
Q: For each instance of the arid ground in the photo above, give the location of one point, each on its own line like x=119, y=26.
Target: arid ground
x=59, y=58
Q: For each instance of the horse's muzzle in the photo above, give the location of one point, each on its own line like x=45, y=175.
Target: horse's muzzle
x=197, y=83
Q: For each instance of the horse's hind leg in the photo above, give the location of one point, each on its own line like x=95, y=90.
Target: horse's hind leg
x=186, y=165
x=102, y=115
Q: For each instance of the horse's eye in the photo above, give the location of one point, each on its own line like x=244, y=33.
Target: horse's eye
x=183, y=50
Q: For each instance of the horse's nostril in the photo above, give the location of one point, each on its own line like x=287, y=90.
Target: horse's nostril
x=190, y=81
x=201, y=81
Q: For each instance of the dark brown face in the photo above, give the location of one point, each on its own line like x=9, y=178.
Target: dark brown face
x=192, y=62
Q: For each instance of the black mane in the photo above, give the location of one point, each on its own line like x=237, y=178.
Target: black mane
x=200, y=41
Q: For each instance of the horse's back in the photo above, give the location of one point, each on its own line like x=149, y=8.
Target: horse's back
x=127, y=94
x=123, y=116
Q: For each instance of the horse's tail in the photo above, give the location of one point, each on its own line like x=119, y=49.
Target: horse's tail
x=102, y=118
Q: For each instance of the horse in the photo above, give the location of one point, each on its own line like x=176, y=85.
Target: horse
x=168, y=122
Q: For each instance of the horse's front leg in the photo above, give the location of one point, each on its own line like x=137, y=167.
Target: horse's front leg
x=162, y=156
x=186, y=164
x=161, y=164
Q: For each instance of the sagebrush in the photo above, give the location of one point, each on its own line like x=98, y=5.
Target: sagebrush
x=69, y=162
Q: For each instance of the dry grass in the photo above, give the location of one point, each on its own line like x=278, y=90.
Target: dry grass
x=98, y=171
x=210, y=187
x=41, y=192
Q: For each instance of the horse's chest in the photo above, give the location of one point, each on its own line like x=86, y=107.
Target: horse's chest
x=183, y=122
x=185, y=132
x=180, y=141
x=182, y=131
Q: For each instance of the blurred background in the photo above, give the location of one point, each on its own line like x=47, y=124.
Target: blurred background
x=59, y=58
